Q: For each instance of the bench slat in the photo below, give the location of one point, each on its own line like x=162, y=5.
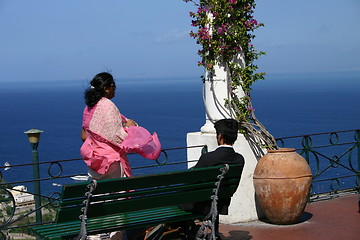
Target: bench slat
x=141, y=192
x=145, y=181
x=126, y=205
x=117, y=222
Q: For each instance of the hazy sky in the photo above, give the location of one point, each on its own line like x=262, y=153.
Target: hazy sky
x=75, y=39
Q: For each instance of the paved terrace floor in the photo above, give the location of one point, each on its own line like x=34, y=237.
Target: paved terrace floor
x=335, y=219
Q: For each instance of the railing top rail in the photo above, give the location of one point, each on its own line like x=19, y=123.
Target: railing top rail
x=315, y=134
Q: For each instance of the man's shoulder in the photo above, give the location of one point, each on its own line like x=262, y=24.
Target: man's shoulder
x=224, y=150
x=216, y=152
x=222, y=153
x=221, y=150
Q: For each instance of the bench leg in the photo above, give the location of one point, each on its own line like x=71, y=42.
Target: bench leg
x=83, y=231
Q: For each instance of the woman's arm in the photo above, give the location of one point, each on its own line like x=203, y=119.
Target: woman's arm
x=83, y=134
x=130, y=122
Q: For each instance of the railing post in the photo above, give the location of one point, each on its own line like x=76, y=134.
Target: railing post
x=306, y=143
x=34, y=137
x=357, y=139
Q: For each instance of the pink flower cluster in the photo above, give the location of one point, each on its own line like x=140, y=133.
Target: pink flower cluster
x=194, y=23
x=251, y=23
x=237, y=48
x=204, y=34
x=201, y=10
x=232, y=1
x=223, y=28
x=223, y=48
x=249, y=7
x=251, y=109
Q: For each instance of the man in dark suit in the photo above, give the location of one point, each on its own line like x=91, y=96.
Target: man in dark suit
x=226, y=135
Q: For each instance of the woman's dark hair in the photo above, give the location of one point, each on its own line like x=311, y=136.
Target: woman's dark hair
x=228, y=129
x=96, y=90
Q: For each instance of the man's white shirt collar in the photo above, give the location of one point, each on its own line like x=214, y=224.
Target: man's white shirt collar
x=229, y=146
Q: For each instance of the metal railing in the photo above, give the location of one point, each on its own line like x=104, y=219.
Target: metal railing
x=38, y=207
x=333, y=158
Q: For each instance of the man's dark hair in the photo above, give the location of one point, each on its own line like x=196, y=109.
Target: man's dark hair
x=228, y=129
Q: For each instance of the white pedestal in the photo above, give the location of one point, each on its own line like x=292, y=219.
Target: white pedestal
x=243, y=207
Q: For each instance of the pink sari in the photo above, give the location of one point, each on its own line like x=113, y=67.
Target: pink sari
x=108, y=140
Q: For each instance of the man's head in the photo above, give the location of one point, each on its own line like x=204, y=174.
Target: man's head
x=226, y=131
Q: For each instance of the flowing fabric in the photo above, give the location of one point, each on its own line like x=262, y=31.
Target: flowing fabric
x=108, y=140
x=140, y=141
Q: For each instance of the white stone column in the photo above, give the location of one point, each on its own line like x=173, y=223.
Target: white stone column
x=216, y=90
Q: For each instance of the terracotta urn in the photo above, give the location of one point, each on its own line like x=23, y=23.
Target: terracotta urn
x=282, y=181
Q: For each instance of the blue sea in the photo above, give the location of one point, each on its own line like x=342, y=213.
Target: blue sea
x=287, y=104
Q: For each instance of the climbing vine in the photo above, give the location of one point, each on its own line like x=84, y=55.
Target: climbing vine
x=225, y=32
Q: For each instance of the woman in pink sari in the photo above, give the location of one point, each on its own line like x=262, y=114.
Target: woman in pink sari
x=108, y=135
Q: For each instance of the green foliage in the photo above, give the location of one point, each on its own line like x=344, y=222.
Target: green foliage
x=225, y=31
x=9, y=210
x=49, y=217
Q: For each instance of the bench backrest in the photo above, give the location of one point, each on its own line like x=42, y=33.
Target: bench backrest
x=123, y=195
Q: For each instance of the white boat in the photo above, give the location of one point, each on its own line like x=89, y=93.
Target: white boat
x=7, y=166
x=80, y=178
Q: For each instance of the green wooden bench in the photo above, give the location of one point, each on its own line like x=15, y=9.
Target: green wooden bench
x=136, y=202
